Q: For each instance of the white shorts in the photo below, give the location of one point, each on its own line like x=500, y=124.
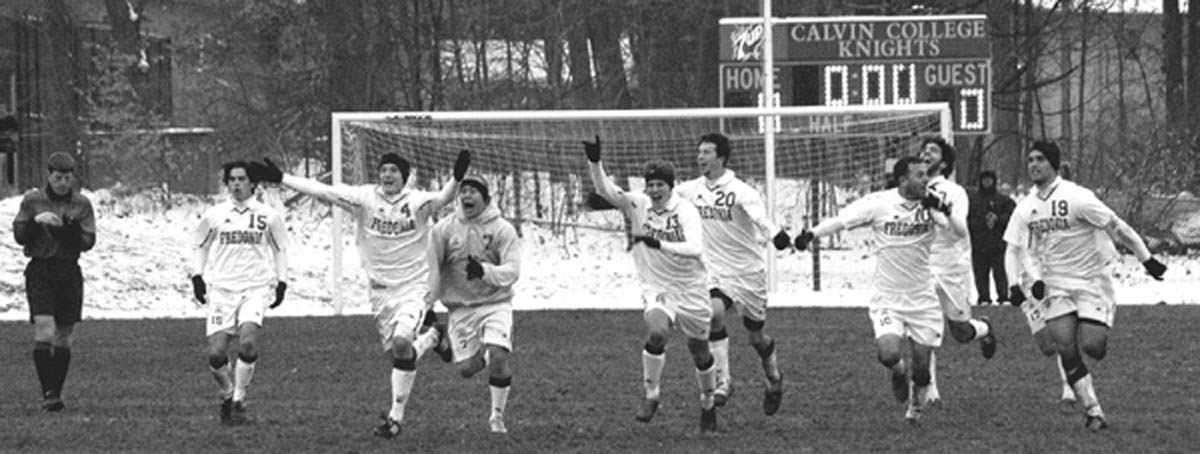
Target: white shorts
x=398, y=310
x=906, y=315
x=954, y=294
x=227, y=310
x=472, y=327
x=690, y=310
x=1091, y=299
x=748, y=292
x=1035, y=313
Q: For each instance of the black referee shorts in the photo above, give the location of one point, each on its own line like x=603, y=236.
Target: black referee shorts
x=55, y=287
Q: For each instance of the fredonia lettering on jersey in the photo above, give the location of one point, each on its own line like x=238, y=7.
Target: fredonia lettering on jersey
x=902, y=228
x=390, y=227
x=242, y=237
x=675, y=235
x=718, y=213
x=1046, y=225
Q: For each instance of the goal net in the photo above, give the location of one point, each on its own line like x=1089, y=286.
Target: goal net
x=823, y=157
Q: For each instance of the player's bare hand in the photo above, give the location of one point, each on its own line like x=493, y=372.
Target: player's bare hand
x=280, y=292
x=592, y=149
x=474, y=268
x=199, y=289
x=1154, y=268
x=48, y=218
x=461, y=164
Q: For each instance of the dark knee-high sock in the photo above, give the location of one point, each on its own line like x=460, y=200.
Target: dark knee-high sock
x=62, y=363
x=43, y=362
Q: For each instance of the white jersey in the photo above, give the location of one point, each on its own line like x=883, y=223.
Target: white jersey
x=951, y=253
x=392, y=233
x=677, y=266
x=733, y=216
x=240, y=241
x=902, y=234
x=1064, y=230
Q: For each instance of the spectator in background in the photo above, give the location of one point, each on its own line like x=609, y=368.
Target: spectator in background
x=986, y=220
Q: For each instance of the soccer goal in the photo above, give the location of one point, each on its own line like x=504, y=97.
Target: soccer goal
x=822, y=156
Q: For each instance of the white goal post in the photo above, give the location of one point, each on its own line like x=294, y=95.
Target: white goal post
x=535, y=160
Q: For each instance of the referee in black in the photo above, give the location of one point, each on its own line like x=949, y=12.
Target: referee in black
x=54, y=224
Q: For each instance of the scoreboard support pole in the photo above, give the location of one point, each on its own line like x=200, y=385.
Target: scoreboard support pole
x=768, y=97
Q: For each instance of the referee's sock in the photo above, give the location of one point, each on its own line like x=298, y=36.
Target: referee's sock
x=43, y=362
x=61, y=359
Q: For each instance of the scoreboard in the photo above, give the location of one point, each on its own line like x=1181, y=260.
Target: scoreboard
x=864, y=60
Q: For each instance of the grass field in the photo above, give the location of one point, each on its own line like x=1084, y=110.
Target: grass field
x=143, y=386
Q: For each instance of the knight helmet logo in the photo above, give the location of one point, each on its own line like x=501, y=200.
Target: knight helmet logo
x=747, y=42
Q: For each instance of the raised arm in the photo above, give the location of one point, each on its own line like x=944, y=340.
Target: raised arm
x=449, y=190
x=604, y=186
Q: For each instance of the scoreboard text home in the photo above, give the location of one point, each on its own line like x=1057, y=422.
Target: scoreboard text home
x=864, y=60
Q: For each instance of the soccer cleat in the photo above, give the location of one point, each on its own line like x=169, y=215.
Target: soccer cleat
x=647, y=410
x=900, y=385
x=708, y=420
x=987, y=345
x=227, y=410
x=390, y=428
x=53, y=404
x=722, y=394
x=1095, y=423
x=773, y=396
x=496, y=425
x=237, y=415
x=916, y=405
x=932, y=396
x=443, y=348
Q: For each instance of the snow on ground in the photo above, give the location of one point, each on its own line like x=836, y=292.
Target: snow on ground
x=138, y=268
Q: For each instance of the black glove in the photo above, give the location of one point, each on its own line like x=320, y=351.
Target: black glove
x=280, y=291
x=1016, y=296
x=933, y=202
x=1038, y=290
x=199, y=289
x=266, y=171
x=592, y=149
x=651, y=242
x=803, y=239
x=461, y=164
x=1154, y=268
x=474, y=268
x=782, y=240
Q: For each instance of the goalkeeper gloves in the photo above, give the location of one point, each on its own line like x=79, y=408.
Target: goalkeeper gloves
x=474, y=268
x=266, y=171
x=280, y=291
x=1016, y=296
x=592, y=149
x=649, y=241
x=1154, y=268
x=199, y=289
x=782, y=240
x=461, y=164
x=806, y=236
x=933, y=202
x=1038, y=290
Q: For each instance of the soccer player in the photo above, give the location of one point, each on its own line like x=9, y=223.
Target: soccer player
x=475, y=258
x=951, y=258
x=54, y=225
x=904, y=308
x=733, y=214
x=1052, y=236
x=668, y=243
x=393, y=237
x=241, y=246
